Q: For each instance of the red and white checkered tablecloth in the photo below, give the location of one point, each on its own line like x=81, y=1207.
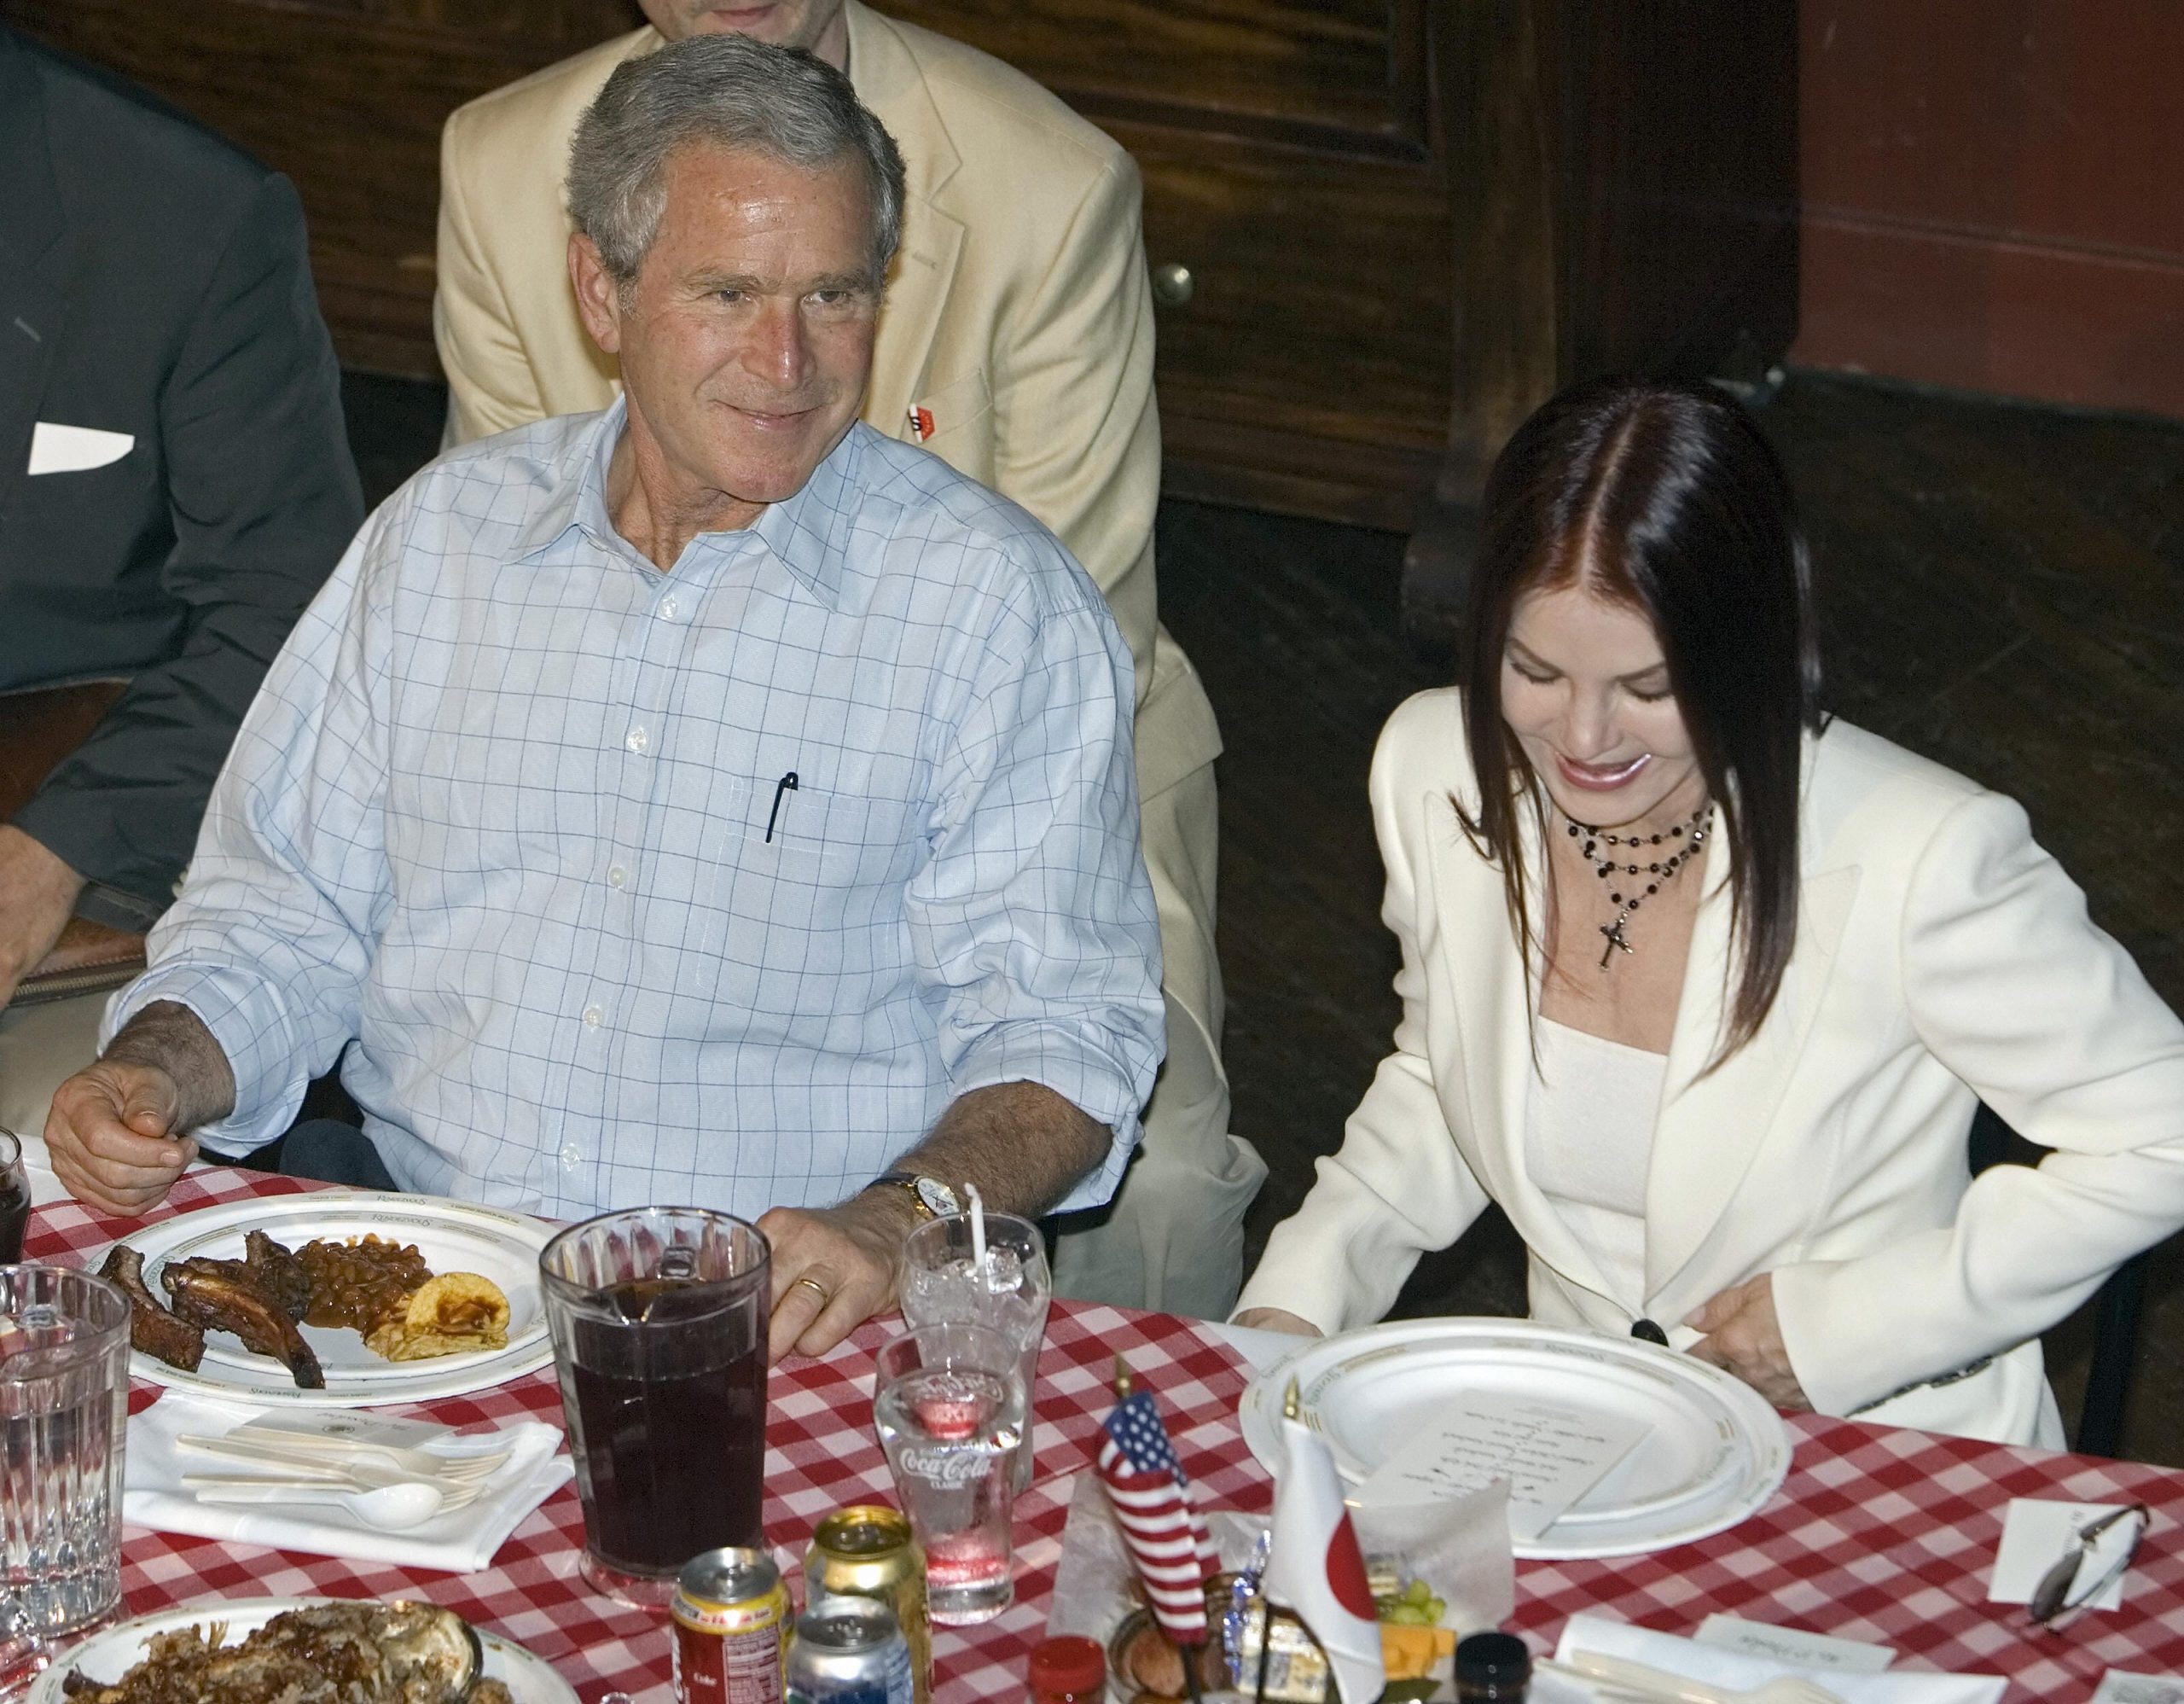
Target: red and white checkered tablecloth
x=821, y=1454
x=1878, y=1534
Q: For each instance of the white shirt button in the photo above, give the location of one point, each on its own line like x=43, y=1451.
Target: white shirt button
x=594, y=1017
x=638, y=740
x=572, y=1155
x=668, y=609
x=616, y=875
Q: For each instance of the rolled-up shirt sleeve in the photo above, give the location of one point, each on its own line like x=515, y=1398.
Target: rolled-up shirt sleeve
x=1033, y=916
x=270, y=943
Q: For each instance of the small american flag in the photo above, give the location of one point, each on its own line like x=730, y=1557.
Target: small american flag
x=1161, y=1526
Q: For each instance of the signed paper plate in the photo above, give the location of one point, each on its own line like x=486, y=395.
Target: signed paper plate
x=1713, y=1451
x=108, y=1654
x=453, y=1236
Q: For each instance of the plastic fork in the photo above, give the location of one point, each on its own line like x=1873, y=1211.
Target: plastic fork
x=295, y=1451
x=1638, y=1680
x=422, y=1461
x=249, y=1488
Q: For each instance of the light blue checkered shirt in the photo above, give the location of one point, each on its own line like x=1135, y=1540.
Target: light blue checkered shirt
x=510, y=813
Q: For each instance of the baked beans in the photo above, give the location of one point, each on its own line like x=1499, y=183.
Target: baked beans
x=362, y=1282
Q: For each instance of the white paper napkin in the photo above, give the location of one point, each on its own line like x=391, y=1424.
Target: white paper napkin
x=2038, y=1530
x=460, y=1540
x=1695, y=1661
x=2118, y=1686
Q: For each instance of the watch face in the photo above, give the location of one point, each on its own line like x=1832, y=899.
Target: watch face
x=939, y=1199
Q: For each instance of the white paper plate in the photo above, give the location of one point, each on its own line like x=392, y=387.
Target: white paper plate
x=107, y=1656
x=453, y=1236
x=1714, y=1450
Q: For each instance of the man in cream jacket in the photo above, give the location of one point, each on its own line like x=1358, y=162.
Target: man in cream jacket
x=1016, y=343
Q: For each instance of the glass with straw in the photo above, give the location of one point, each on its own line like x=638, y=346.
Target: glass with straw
x=986, y=1269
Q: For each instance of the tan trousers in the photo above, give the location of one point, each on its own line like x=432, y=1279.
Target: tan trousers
x=1173, y=1237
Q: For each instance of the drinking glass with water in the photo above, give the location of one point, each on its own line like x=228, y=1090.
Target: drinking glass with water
x=64, y=1409
x=948, y=1401
x=943, y=1284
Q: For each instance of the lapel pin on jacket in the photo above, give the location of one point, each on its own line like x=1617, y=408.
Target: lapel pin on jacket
x=920, y=423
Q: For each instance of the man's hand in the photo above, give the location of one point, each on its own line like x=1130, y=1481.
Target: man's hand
x=833, y=1269
x=1277, y=1319
x=107, y=1135
x=1744, y=1337
x=1020, y=1143
x=37, y=892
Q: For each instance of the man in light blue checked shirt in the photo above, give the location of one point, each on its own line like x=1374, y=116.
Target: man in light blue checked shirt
x=709, y=801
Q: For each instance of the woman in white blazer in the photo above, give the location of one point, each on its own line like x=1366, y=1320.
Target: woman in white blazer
x=1702, y=987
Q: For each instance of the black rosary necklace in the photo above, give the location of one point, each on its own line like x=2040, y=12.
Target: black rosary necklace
x=1619, y=873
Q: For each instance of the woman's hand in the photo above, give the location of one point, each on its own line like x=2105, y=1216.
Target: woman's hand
x=1744, y=1337
x=1276, y=1319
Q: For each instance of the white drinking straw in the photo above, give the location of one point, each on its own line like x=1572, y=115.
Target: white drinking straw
x=979, y=1236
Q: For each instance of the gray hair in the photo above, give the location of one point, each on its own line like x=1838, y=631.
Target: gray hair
x=729, y=92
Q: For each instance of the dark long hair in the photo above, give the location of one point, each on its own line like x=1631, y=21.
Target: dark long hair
x=1661, y=495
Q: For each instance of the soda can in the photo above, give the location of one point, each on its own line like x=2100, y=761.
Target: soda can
x=731, y=1614
x=865, y=1550
x=849, y=1651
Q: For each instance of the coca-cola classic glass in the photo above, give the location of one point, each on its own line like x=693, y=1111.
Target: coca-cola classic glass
x=948, y=1401
x=941, y=1286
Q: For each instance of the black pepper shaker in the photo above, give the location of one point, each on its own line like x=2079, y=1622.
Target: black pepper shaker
x=1493, y=1665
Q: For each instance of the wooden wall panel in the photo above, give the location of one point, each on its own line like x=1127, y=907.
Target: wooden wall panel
x=1349, y=75
x=1311, y=368
x=1991, y=197
x=348, y=97
x=1682, y=206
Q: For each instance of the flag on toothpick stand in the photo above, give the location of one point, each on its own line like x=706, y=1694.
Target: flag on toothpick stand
x=1315, y=1569
x=1161, y=1527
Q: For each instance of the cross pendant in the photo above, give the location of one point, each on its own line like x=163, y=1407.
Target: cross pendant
x=1615, y=941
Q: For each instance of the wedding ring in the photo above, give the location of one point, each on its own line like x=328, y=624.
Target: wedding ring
x=824, y=1294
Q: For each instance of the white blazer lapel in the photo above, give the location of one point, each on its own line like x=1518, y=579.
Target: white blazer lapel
x=1712, y=1126
x=1491, y=998
x=888, y=81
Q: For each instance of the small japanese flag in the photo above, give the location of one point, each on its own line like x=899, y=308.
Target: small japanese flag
x=1315, y=1568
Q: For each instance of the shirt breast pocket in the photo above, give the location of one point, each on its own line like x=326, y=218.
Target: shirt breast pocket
x=807, y=882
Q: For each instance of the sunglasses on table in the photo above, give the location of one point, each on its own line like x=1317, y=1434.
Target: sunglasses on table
x=2058, y=1597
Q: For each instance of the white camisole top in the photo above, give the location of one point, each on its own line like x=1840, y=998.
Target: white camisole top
x=1588, y=1141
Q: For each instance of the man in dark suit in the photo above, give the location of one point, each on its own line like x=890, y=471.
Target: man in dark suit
x=175, y=484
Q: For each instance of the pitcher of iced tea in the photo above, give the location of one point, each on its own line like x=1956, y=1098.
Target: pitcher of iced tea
x=658, y=1317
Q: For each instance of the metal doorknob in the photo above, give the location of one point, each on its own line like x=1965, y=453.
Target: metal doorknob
x=1173, y=283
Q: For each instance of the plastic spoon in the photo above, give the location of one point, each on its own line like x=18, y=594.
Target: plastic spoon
x=391, y=1507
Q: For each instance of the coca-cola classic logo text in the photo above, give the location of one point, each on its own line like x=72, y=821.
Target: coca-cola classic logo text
x=956, y=1464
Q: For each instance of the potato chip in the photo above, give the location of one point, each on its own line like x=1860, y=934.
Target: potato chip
x=449, y=1315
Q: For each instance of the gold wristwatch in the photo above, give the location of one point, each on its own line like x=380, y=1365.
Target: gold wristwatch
x=930, y=1198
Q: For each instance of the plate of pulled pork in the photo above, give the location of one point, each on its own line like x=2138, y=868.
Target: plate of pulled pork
x=301, y=1651
x=335, y=1299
